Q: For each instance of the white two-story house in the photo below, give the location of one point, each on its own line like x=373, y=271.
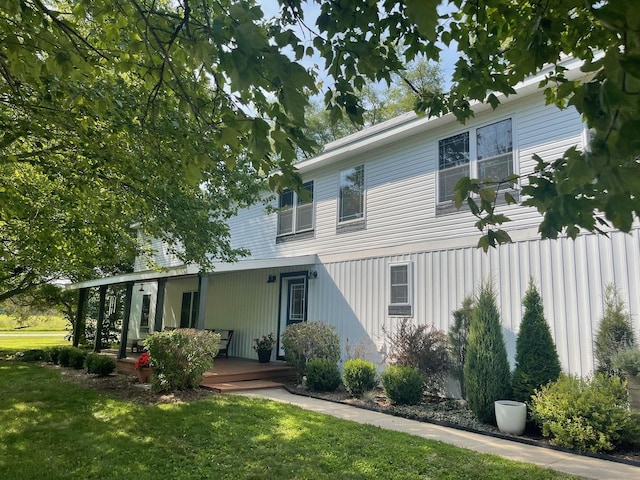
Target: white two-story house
x=377, y=239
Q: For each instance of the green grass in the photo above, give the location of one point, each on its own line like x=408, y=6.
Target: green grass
x=34, y=324
x=52, y=429
x=13, y=344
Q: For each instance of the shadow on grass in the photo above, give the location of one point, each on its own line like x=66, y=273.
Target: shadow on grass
x=53, y=429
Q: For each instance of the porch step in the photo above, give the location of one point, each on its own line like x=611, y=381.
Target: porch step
x=242, y=385
x=242, y=373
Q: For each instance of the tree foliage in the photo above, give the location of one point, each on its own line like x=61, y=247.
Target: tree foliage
x=379, y=103
x=615, y=331
x=172, y=115
x=166, y=114
x=500, y=43
x=458, y=339
x=486, y=370
x=537, y=361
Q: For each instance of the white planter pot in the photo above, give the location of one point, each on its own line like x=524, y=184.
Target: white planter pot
x=511, y=417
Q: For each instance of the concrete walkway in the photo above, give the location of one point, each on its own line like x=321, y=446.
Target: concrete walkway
x=585, y=467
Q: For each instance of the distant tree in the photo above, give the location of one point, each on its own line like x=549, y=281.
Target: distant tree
x=486, y=370
x=615, y=331
x=379, y=103
x=458, y=339
x=537, y=361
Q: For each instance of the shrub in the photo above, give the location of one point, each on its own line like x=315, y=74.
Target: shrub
x=422, y=347
x=307, y=340
x=403, y=384
x=323, y=375
x=76, y=358
x=64, y=356
x=537, y=361
x=359, y=376
x=627, y=362
x=615, y=331
x=180, y=357
x=458, y=339
x=33, y=355
x=486, y=371
x=53, y=354
x=585, y=413
x=100, y=365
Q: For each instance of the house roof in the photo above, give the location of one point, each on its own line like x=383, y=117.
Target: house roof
x=409, y=124
x=191, y=270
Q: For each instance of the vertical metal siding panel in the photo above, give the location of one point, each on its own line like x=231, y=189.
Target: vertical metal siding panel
x=633, y=257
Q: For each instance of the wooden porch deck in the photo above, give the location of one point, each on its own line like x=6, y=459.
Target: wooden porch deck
x=230, y=374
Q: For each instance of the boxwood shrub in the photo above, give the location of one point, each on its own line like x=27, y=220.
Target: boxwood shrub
x=100, y=365
x=323, y=375
x=403, y=384
x=359, y=376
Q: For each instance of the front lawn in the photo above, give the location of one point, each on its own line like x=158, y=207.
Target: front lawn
x=50, y=428
x=11, y=343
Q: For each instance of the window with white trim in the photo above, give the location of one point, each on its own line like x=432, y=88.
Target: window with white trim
x=295, y=210
x=351, y=195
x=489, y=156
x=400, y=288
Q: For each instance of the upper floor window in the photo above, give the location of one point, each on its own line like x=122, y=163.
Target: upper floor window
x=351, y=196
x=295, y=212
x=490, y=156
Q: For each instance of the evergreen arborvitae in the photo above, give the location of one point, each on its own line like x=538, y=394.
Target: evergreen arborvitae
x=486, y=370
x=615, y=331
x=458, y=337
x=537, y=361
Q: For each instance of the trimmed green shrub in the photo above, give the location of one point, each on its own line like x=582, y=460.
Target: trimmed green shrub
x=64, y=356
x=307, y=340
x=458, y=339
x=53, y=354
x=180, y=357
x=323, y=375
x=422, y=347
x=33, y=355
x=100, y=365
x=615, y=331
x=359, y=376
x=76, y=358
x=587, y=414
x=627, y=362
x=403, y=384
x=486, y=371
x=537, y=361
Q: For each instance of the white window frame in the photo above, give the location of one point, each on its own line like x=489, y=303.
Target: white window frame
x=362, y=216
x=473, y=164
x=409, y=286
x=295, y=211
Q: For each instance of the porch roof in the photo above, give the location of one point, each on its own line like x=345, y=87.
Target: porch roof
x=188, y=270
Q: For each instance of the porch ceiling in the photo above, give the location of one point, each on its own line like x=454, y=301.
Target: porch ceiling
x=150, y=275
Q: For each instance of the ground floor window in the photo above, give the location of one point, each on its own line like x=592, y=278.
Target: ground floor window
x=400, y=298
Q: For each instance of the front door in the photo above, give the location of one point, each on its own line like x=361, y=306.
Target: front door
x=293, y=303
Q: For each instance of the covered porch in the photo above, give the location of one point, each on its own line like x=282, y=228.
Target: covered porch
x=247, y=297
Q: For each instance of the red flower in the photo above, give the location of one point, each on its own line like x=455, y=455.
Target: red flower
x=143, y=361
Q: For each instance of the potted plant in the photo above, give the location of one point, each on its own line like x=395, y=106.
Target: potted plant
x=627, y=363
x=143, y=367
x=263, y=347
